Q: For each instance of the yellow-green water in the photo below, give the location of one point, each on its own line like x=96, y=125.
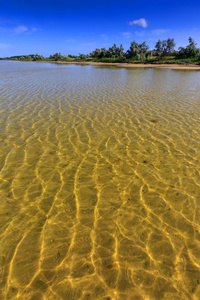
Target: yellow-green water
x=99, y=183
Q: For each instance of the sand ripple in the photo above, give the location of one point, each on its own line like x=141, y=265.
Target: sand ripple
x=99, y=183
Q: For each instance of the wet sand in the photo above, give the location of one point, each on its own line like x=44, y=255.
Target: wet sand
x=133, y=65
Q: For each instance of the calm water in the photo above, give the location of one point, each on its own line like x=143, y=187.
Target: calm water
x=99, y=182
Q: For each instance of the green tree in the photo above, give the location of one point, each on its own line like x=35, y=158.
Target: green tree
x=28, y=57
x=37, y=57
x=103, y=52
x=56, y=56
x=143, y=50
x=133, y=50
x=158, y=48
x=138, y=51
x=121, y=51
x=170, y=46
x=96, y=52
x=190, y=51
x=112, y=52
x=82, y=56
x=164, y=47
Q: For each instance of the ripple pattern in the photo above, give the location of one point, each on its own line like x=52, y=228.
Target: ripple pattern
x=99, y=183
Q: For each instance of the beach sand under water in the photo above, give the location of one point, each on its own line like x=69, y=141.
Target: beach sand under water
x=99, y=182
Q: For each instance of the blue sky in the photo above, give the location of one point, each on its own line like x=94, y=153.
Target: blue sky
x=70, y=27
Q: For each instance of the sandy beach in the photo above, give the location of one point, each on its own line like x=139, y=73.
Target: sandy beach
x=133, y=65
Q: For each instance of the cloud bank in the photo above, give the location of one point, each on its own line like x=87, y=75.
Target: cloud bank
x=159, y=31
x=20, y=29
x=141, y=23
x=127, y=34
x=156, y=32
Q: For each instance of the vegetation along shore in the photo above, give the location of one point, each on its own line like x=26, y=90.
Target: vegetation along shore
x=163, y=55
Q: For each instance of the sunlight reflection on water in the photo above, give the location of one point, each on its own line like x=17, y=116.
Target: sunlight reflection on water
x=99, y=185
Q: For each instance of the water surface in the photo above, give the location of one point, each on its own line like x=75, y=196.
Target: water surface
x=99, y=182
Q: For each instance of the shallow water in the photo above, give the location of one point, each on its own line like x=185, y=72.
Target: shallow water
x=99, y=182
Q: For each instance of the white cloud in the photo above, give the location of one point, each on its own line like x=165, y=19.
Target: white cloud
x=158, y=32
x=34, y=29
x=127, y=34
x=141, y=33
x=152, y=33
x=141, y=22
x=20, y=29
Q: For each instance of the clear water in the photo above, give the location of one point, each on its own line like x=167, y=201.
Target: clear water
x=99, y=182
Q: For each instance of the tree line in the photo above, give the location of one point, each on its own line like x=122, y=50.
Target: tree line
x=136, y=51
x=141, y=51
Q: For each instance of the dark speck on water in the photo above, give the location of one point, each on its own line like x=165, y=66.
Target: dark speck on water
x=154, y=121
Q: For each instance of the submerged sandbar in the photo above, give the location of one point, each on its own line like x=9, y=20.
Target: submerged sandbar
x=132, y=65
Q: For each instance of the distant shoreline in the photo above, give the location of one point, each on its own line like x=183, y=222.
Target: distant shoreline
x=184, y=66
x=166, y=65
